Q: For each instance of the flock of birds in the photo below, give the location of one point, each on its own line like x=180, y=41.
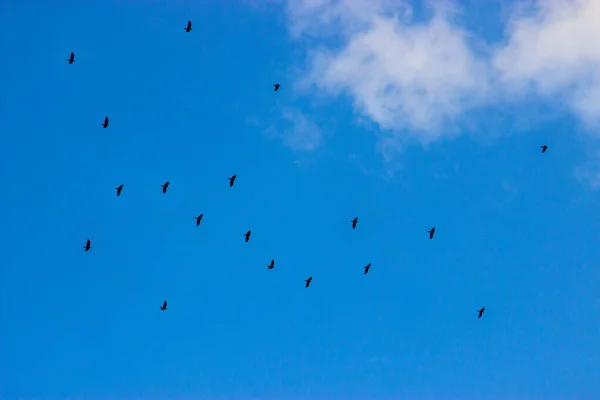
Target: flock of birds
x=271, y=265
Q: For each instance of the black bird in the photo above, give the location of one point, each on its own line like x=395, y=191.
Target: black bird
x=544, y=148
x=88, y=245
x=354, y=222
x=232, y=180
x=308, y=281
x=105, y=124
x=481, y=312
x=119, y=190
x=272, y=265
x=188, y=27
x=71, y=59
x=164, y=306
x=165, y=187
x=431, y=232
x=247, y=235
x=367, y=268
x=199, y=219
x=276, y=87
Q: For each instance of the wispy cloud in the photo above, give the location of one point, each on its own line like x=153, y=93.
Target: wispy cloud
x=297, y=130
x=415, y=77
x=300, y=132
x=590, y=171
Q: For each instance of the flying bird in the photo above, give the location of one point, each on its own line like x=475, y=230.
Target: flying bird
x=105, y=124
x=367, y=268
x=165, y=187
x=272, y=265
x=276, y=86
x=544, y=148
x=71, y=59
x=119, y=190
x=354, y=222
x=481, y=312
x=88, y=245
x=232, y=180
x=188, y=27
x=431, y=232
x=199, y=219
x=247, y=235
x=308, y=281
x=164, y=306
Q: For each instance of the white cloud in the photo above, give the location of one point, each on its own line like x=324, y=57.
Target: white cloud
x=553, y=50
x=418, y=78
x=401, y=75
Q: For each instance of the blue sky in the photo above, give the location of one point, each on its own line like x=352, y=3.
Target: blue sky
x=372, y=120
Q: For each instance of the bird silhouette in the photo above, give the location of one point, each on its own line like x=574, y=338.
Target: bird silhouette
x=481, y=312
x=71, y=59
x=188, y=27
x=354, y=222
x=247, y=235
x=367, y=268
x=164, y=306
x=88, y=245
x=431, y=232
x=165, y=187
x=232, y=180
x=119, y=190
x=276, y=86
x=105, y=124
x=272, y=265
x=544, y=148
x=308, y=281
x=199, y=219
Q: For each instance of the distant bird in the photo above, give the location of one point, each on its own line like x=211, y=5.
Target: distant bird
x=165, y=187
x=164, y=306
x=199, y=219
x=119, y=190
x=308, y=281
x=276, y=87
x=354, y=222
x=105, y=124
x=272, y=265
x=247, y=235
x=367, y=268
x=71, y=59
x=88, y=245
x=544, y=148
x=188, y=27
x=232, y=180
x=431, y=232
x=481, y=312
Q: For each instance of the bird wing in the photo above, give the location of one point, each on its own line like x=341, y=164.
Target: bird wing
x=72, y=55
x=165, y=304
